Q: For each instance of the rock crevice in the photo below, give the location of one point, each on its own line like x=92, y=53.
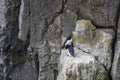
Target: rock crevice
x=32, y=31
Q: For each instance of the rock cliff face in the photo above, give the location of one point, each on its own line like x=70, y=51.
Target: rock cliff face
x=32, y=32
x=116, y=61
x=93, y=54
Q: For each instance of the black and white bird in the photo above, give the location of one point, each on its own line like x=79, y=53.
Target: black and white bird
x=68, y=44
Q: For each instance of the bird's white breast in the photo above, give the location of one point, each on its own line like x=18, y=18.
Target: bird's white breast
x=69, y=42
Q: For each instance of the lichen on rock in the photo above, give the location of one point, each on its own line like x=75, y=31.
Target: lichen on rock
x=92, y=54
x=83, y=32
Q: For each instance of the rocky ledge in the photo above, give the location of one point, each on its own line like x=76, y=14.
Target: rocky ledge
x=93, y=54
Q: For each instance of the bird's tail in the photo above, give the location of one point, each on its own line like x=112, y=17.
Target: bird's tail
x=71, y=51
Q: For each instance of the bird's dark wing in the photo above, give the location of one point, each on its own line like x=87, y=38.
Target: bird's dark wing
x=71, y=51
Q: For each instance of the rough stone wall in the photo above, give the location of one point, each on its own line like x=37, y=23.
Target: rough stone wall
x=31, y=33
x=14, y=61
x=116, y=61
x=92, y=50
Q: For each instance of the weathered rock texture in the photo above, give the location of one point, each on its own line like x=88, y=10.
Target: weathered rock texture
x=83, y=67
x=31, y=33
x=14, y=60
x=116, y=61
x=93, y=54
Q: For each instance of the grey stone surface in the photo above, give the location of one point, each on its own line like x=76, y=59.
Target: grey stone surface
x=39, y=25
x=2, y=37
x=13, y=51
x=42, y=15
x=100, y=12
x=9, y=11
x=24, y=20
x=116, y=61
x=92, y=47
x=83, y=67
x=68, y=22
x=24, y=71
